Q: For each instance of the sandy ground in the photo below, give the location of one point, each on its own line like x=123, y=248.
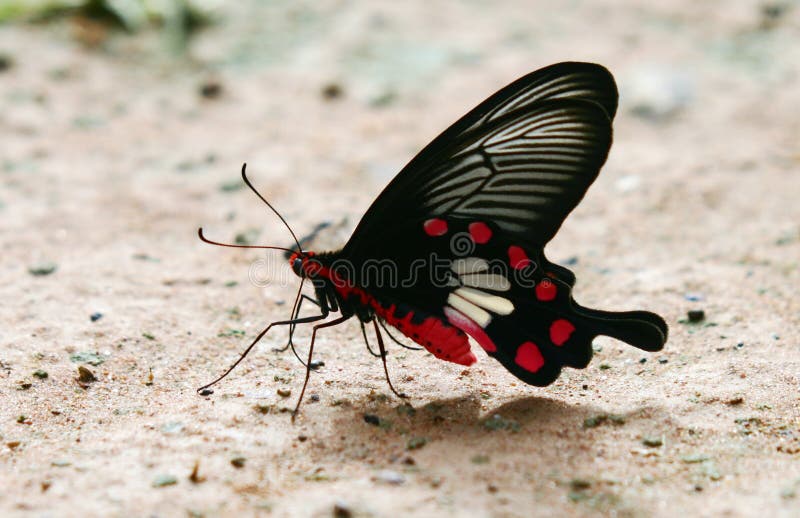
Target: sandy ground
x=111, y=159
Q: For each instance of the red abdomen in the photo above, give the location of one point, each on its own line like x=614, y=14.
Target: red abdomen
x=438, y=336
x=441, y=339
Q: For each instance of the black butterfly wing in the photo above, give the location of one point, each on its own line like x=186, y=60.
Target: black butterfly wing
x=485, y=161
x=515, y=166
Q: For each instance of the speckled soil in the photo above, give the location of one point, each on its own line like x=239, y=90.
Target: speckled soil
x=111, y=159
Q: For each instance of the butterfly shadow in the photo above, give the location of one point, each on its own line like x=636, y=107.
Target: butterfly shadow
x=471, y=414
x=479, y=424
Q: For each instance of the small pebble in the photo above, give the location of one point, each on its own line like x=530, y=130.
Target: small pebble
x=579, y=484
x=284, y=392
x=416, y=443
x=695, y=459
x=211, y=89
x=94, y=317
x=43, y=268
x=383, y=99
x=480, y=459
x=653, y=442
x=696, y=315
x=372, y=419
x=314, y=397
x=642, y=360
x=85, y=376
x=238, y=462
x=194, y=476
x=164, y=480
x=206, y=392
x=42, y=375
x=5, y=62
x=492, y=488
x=302, y=438
x=342, y=510
x=663, y=360
x=740, y=345
x=92, y=358
x=657, y=92
x=316, y=365
x=332, y=91
x=231, y=186
x=388, y=476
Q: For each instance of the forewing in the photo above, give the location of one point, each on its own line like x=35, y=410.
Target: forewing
x=526, y=173
x=530, y=150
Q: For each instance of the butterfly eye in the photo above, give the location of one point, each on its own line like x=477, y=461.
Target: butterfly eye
x=297, y=266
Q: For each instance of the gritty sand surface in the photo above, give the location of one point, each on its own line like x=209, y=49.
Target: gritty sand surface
x=111, y=159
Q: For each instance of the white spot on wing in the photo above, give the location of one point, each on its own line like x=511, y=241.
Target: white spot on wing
x=487, y=281
x=469, y=265
x=493, y=303
x=476, y=314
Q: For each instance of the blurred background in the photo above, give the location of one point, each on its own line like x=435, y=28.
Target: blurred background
x=123, y=126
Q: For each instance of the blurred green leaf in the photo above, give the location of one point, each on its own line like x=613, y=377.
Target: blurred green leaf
x=176, y=18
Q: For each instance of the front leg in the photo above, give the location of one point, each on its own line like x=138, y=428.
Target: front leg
x=291, y=322
x=295, y=314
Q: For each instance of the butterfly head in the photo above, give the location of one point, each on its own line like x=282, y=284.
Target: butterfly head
x=303, y=265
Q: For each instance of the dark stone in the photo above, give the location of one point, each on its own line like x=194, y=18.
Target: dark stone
x=696, y=315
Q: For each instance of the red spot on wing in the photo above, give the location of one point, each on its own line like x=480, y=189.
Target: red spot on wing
x=517, y=257
x=529, y=357
x=560, y=331
x=480, y=232
x=470, y=327
x=546, y=290
x=435, y=227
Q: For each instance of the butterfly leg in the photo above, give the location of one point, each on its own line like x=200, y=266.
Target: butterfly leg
x=382, y=349
x=366, y=341
x=317, y=327
x=294, y=321
x=295, y=314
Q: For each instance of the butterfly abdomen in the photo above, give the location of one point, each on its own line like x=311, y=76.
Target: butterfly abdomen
x=439, y=337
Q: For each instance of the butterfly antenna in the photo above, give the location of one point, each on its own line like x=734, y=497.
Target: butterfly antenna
x=247, y=181
x=217, y=243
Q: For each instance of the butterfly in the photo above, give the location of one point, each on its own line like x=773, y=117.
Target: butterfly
x=454, y=246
